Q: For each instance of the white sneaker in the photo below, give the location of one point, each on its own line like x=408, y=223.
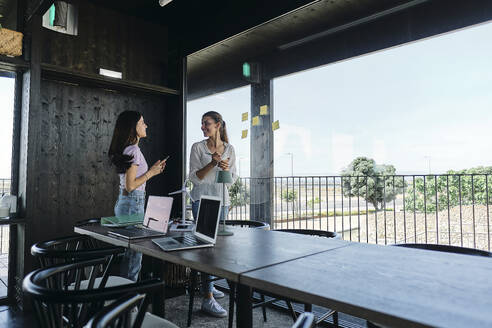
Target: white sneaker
x=217, y=293
x=210, y=306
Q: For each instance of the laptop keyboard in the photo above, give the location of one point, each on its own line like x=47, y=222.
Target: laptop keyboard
x=189, y=240
x=135, y=231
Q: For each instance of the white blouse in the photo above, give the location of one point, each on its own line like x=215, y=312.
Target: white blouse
x=200, y=156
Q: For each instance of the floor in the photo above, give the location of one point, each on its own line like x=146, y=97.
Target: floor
x=177, y=310
x=12, y=318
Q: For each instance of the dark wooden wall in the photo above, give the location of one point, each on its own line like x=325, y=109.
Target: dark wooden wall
x=66, y=127
x=74, y=129
x=111, y=40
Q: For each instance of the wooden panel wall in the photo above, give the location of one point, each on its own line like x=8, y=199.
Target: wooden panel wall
x=66, y=129
x=111, y=40
x=72, y=171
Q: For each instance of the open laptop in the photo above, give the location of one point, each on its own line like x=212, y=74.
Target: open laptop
x=205, y=232
x=155, y=221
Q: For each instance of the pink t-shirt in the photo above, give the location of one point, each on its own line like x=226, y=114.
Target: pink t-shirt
x=138, y=159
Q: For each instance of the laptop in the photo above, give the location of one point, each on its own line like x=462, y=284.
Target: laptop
x=205, y=232
x=156, y=220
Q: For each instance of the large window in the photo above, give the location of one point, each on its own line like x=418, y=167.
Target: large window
x=422, y=107
x=230, y=105
x=6, y=128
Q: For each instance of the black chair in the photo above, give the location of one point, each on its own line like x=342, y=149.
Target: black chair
x=248, y=224
x=305, y=320
x=448, y=249
x=78, y=248
x=309, y=307
x=310, y=232
x=438, y=248
x=59, y=301
x=121, y=314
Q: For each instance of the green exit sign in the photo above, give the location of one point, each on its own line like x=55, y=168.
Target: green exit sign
x=246, y=70
x=52, y=15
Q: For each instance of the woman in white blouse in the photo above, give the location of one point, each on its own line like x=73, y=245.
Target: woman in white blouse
x=206, y=158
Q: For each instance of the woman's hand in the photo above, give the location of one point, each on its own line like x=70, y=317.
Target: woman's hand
x=216, y=158
x=224, y=164
x=157, y=168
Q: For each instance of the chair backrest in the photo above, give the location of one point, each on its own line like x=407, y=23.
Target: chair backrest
x=71, y=249
x=59, y=300
x=319, y=233
x=119, y=313
x=248, y=224
x=305, y=320
x=448, y=249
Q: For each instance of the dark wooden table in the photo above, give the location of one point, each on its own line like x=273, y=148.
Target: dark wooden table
x=247, y=250
x=394, y=286
x=99, y=232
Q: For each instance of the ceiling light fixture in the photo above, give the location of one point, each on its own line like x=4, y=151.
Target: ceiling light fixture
x=162, y=3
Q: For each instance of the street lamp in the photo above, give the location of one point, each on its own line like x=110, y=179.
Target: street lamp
x=428, y=162
x=291, y=163
x=240, y=158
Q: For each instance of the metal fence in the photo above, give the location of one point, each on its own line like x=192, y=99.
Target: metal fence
x=451, y=209
x=4, y=186
x=4, y=229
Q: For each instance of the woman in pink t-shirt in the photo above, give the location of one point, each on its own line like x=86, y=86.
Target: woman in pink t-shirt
x=134, y=172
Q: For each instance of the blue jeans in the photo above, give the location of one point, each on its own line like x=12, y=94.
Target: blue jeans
x=207, y=285
x=132, y=204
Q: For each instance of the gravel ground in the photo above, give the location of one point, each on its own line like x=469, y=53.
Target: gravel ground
x=467, y=227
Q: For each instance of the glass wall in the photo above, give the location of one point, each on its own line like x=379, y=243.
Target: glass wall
x=230, y=105
x=6, y=128
x=422, y=107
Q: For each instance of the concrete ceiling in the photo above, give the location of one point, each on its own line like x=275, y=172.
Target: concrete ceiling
x=315, y=17
x=197, y=24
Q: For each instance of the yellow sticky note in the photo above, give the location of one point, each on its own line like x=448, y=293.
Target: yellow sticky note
x=275, y=125
x=256, y=121
x=264, y=110
x=244, y=134
x=244, y=117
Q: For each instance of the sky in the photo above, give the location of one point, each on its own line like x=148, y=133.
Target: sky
x=422, y=107
x=6, y=125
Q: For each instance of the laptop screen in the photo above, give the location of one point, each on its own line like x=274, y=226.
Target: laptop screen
x=157, y=213
x=208, y=216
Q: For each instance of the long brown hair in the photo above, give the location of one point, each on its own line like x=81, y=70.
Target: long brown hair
x=218, y=119
x=124, y=135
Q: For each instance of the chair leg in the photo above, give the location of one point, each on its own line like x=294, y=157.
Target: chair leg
x=191, y=292
x=335, y=319
x=232, y=300
x=263, y=307
x=292, y=311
